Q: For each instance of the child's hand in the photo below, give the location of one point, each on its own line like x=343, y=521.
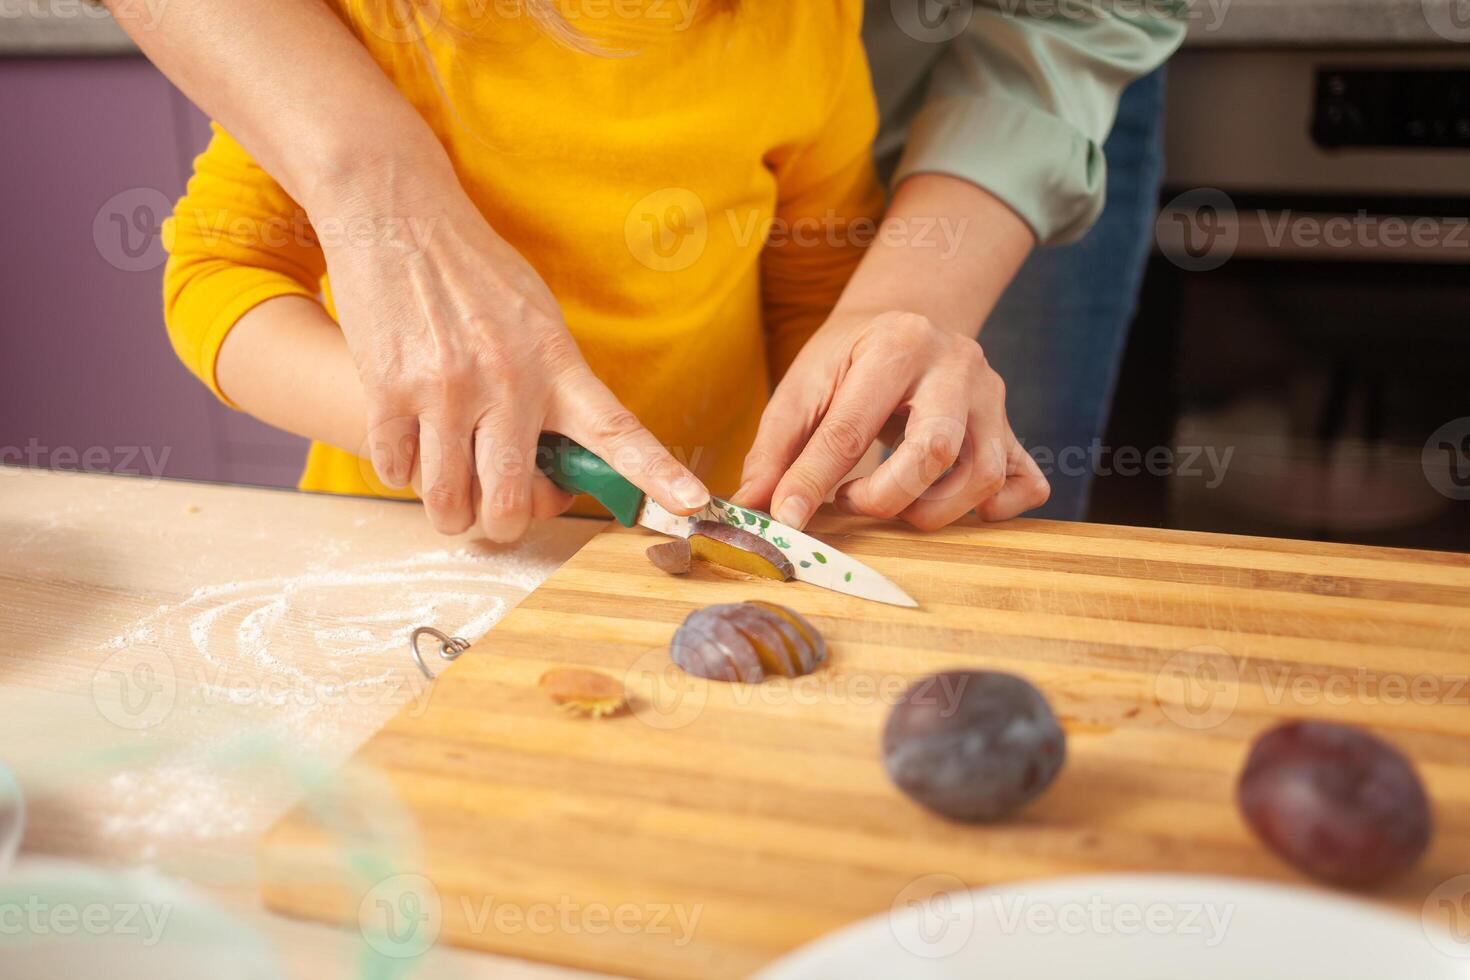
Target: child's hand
x=856, y=375
x=465, y=360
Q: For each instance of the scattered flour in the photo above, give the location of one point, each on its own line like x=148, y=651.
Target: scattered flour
x=174, y=800
x=143, y=632
x=315, y=661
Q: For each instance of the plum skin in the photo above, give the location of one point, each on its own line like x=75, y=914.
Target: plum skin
x=973, y=745
x=673, y=557
x=718, y=642
x=1337, y=802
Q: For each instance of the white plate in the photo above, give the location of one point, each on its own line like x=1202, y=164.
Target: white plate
x=1128, y=927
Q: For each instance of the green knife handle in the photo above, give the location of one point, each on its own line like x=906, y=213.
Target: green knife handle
x=578, y=470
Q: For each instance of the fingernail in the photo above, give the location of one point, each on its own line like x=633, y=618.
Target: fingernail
x=739, y=495
x=689, y=492
x=793, y=511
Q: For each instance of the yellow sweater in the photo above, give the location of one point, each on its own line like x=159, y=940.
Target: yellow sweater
x=640, y=187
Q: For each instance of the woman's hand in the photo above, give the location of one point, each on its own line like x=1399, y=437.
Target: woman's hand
x=897, y=356
x=465, y=360
x=860, y=375
x=460, y=349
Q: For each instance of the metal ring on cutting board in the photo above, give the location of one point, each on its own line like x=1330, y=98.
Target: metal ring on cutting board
x=449, y=647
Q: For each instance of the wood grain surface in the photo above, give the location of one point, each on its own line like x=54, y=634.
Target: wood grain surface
x=728, y=824
x=176, y=655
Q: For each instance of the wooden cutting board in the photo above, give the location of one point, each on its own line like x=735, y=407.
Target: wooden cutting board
x=718, y=826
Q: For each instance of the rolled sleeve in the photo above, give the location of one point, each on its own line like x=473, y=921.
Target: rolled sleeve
x=234, y=241
x=1021, y=103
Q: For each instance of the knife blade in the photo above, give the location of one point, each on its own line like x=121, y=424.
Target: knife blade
x=578, y=470
x=816, y=563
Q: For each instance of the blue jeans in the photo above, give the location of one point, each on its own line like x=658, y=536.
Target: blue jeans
x=1057, y=336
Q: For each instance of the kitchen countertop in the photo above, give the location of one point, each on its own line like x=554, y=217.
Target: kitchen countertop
x=72, y=27
x=267, y=619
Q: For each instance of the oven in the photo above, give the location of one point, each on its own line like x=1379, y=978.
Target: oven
x=1306, y=316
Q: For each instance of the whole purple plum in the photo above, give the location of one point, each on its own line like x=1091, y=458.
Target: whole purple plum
x=1339, y=803
x=973, y=745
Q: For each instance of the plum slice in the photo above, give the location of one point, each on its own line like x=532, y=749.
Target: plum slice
x=810, y=650
x=708, y=645
x=1337, y=802
x=734, y=548
x=746, y=642
x=769, y=636
x=673, y=556
x=973, y=745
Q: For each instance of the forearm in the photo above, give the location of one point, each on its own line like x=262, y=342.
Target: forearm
x=295, y=87
x=947, y=250
x=286, y=363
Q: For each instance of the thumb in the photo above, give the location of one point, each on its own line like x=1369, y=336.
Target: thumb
x=590, y=413
x=784, y=429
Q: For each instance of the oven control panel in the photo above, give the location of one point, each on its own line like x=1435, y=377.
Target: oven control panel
x=1384, y=107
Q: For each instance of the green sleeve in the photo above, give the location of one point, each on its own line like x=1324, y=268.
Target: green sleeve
x=1021, y=102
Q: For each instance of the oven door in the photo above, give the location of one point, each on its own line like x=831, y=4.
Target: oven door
x=1305, y=329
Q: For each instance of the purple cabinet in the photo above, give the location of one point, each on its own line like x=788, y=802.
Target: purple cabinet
x=96, y=152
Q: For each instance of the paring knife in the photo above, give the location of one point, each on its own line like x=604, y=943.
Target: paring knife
x=578, y=470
